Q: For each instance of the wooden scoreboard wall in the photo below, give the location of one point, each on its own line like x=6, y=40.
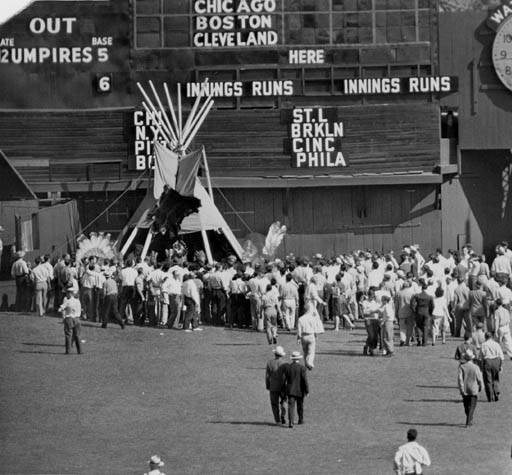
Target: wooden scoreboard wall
x=68, y=101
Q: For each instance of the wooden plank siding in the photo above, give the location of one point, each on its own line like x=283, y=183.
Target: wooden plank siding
x=378, y=138
x=333, y=220
x=76, y=145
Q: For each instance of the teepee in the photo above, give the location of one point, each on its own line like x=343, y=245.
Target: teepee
x=175, y=175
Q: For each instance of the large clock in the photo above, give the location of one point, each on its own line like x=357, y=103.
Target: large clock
x=502, y=53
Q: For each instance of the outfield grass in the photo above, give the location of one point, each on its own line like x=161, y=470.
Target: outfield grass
x=199, y=401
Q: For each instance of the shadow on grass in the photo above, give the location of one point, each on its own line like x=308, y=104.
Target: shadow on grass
x=89, y=324
x=41, y=352
x=434, y=400
x=243, y=423
x=236, y=344
x=431, y=424
x=42, y=344
x=342, y=353
x=435, y=387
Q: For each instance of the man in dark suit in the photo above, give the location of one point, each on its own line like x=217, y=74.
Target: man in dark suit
x=274, y=381
x=422, y=305
x=296, y=381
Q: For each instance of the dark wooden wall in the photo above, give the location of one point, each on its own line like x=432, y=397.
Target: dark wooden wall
x=378, y=138
x=485, y=105
x=334, y=220
x=66, y=146
x=477, y=206
x=93, y=204
x=94, y=146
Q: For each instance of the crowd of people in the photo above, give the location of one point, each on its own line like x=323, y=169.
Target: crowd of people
x=429, y=297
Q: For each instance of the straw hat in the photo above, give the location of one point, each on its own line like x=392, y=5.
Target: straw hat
x=156, y=460
x=279, y=351
x=296, y=355
x=469, y=355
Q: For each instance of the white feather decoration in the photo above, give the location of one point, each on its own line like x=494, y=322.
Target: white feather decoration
x=98, y=245
x=274, y=238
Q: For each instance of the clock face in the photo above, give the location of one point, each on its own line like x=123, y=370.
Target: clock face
x=502, y=53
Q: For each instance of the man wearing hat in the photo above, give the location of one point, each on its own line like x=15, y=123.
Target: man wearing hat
x=19, y=272
x=110, y=293
x=422, y=305
x=274, y=382
x=71, y=311
x=296, y=381
x=155, y=463
x=492, y=361
x=470, y=384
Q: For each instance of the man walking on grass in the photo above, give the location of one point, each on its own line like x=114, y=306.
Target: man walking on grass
x=297, y=388
x=492, y=359
x=71, y=311
x=411, y=456
x=470, y=384
x=274, y=382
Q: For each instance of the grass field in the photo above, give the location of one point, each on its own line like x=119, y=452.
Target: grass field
x=199, y=401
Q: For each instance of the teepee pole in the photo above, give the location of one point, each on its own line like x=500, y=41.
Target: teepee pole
x=129, y=241
x=158, y=124
x=154, y=111
x=197, y=117
x=174, y=134
x=171, y=107
x=208, y=179
x=191, y=115
x=197, y=126
x=206, y=245
x=180, y=128
x=146, y=244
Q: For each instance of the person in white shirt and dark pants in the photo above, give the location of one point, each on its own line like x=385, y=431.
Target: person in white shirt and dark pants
x=71, y=311
x=192, y=303
x=492, y=357
x=127, y=297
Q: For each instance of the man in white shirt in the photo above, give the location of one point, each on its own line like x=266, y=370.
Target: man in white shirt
x=89, y=279
x=171, y=298
x=155, y=280
x=505, y=294
x=375, y=276
x=181, y=271
x=501, y=266
x=492, y=357
x=155, y=463
x=289, y=300
x=19, y=272
x=192, y=303
x=71, y=311
x=502, y=327
x=45, y=262
x=40, y=277
x=411, y=456
x=308, y=327
x=127, y=278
